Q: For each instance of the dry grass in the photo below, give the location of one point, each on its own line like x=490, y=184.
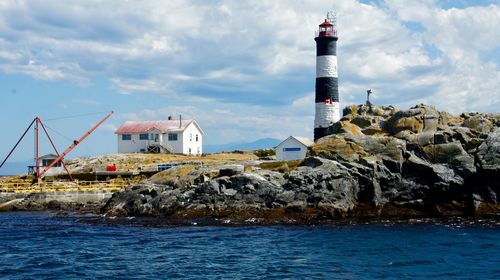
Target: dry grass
x=178, y=176
x=281, y=166
x=135, y=161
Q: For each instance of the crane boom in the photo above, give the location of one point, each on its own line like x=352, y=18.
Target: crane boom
x=75, y=143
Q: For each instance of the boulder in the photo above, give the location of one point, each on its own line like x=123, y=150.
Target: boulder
x=488, y=152
x=416, y=119
x=478, y=123
x=453, y=155
x=351, y=148
x=231, y=170
x=346, y=127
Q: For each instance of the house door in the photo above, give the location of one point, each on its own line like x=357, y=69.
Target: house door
x=156, y=137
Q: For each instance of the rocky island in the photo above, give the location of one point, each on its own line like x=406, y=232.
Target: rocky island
x=380, y=162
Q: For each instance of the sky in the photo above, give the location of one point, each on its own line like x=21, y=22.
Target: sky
x=244, y=70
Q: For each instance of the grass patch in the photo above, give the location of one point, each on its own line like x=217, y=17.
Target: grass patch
x=281, y=166
x=173, y=173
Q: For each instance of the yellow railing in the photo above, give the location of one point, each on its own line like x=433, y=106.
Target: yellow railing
x=21, y=187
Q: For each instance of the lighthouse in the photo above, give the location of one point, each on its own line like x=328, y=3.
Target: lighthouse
x=327, y=93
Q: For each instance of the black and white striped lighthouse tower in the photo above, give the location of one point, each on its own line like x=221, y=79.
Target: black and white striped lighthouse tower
x=327, y=93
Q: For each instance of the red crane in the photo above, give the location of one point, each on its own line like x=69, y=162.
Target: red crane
x=37, y=121
x=75, y=143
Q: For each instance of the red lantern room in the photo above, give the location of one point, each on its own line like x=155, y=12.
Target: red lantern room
x=326, y=29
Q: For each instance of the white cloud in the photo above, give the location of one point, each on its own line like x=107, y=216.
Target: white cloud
x=216, y=74
x=463, y=82
x=245, y=69
x=58, y=71
x=225, y=123
x=127, y=86
x=107, y=127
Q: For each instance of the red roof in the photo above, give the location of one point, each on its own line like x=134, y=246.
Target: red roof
x=146, y=126
x=326, y=23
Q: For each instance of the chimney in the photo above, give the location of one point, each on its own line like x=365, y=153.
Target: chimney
x=169, y=118
x=180, y=121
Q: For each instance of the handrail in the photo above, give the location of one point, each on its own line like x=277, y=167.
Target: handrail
x=19, y=187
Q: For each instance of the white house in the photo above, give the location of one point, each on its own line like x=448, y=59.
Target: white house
x=294, y=147
x=166, y=136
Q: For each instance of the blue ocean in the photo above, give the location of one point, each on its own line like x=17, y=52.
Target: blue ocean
x=45, y=245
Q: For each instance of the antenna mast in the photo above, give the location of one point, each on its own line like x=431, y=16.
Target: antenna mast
x=331, y=17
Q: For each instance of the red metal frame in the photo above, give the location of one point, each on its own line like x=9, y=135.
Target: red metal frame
x=37, y=121
x=75, y=143
x=57, y=152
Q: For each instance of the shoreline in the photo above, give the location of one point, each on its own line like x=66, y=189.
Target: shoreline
x=142, y=221
x=274, y=217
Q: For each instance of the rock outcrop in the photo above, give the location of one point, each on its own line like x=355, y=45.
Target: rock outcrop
x=380, y=162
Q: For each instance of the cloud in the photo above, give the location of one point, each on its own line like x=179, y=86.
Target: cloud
x=225, y=123
x=246, y=69
x=227, y=73
x=127, y=86
x=107, y=127
x=462, y=80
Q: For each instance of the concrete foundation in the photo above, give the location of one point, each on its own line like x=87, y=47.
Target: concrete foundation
x=38, y=201
x=78, y=196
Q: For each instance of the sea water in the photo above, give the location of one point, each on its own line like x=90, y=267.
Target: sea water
x=44, y=245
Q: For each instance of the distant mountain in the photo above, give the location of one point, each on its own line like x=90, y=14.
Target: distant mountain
x=265, y=143
x=15, y=168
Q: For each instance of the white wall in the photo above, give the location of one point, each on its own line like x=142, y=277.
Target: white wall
x=131, y=146
x=290, y=155
x=175, y=145
x=190, y=142
x=135, y=144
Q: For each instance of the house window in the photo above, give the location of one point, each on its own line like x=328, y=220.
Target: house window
x=126, y=137
x=143, y=136
x=196, y=137
x=172, y=137
x=291, y=149
x=155, y=137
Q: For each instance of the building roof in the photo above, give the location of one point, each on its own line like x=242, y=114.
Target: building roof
x=164, y=126
x=49, y=156
x=303, y=140
x=306, y=141
x=326, y=23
